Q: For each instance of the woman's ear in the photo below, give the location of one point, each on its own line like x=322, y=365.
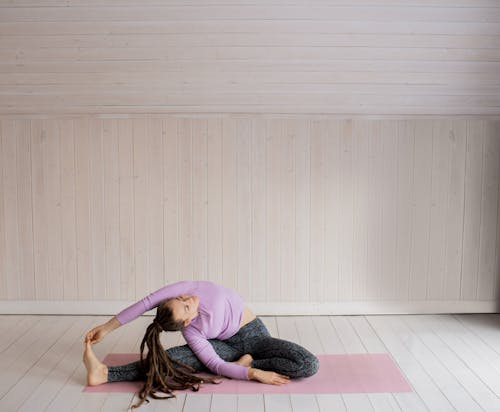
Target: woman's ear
x=187, y=322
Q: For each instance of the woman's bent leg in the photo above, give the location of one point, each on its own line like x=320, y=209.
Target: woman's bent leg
x=284, y=357
x=183, y=354
x=273, y=354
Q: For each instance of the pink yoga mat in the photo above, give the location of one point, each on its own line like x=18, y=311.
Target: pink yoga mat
x=352, y=373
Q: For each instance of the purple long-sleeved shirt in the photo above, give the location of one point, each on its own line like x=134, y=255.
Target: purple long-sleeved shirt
x=221, y=311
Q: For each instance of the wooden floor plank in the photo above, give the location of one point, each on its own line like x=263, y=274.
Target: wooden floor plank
x=331, y=402
x=28, y=351
x=308, y=335
x=449, y=385
x=347, y=334
x=37, y=373
x=197, y=403
x=421, y=382
x=384, y=402
x=251, y=403
x=410, y=402
x=304, y=403
x=328, y=336
x=485, y=326
x=25, y=342
x=224, y=403
x=468, y=348
x=277, y=403
x=356, y=403
x=452, y=361
x=13, y=328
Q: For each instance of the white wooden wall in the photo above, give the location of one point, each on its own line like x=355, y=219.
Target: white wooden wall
x=370, y=57
x=371, y=212
x=344, y=155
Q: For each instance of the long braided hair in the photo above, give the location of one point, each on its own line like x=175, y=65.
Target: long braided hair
x=163, y=373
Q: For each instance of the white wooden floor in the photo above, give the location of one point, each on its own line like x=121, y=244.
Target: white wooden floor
x=452, y=362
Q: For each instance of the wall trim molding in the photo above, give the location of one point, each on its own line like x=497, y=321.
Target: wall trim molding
x=20, y=307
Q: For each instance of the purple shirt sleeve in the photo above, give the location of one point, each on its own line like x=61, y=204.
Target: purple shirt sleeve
x=154, y=299
x=207, y=355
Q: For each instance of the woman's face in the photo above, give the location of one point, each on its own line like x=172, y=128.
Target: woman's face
x=185, y=308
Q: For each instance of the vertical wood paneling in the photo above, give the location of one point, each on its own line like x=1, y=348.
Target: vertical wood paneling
x=317, y=218
x=53, y=184
x=155, y=225
x=406, y=205
x=302, y=161
x=420, y=234
x=287, y=214
x=185, y=205
x=171, y=213
x=389, y=139
x=472, y=214
x=83, y=220
x=229, y=203
x=68, y=209
x=273, y=269
x=127, y=211
x=243, y=205
x=10, y=204
x=281, y=210
x=332, y=179
x=361, y=208
x=439, y=195
x=374, y=214
x=258, y=200
x=3, y=239
x=455, y=210
x=25, y=210
x=111, y=207
x=488, y=271
x=346, y=212
x=98, y=228
x=200, y=235
x=214, y=199
x=495, y=130
x=38, y=136
x=140, y=142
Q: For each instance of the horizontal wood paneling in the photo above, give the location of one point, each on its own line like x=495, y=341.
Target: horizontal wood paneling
x=283, y=210
x=379, y=58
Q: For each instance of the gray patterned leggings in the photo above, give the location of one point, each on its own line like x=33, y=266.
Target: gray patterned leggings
x=271, y=354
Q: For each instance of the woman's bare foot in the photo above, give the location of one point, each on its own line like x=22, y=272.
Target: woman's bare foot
x=97, y=372
x=245, y=360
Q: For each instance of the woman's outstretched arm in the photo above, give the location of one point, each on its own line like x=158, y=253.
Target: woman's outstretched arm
x=154, y=299
x=98, y=333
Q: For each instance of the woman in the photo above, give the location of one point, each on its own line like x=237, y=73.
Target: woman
x=223, y=336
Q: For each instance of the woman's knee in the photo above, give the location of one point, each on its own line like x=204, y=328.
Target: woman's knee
x=309, y=367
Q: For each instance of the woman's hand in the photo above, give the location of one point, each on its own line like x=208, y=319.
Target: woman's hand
x=268, y=377
x=97, y=334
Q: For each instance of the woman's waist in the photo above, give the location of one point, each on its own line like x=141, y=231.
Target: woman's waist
x=247, y=317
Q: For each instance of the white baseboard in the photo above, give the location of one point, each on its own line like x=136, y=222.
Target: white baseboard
x=46, y=307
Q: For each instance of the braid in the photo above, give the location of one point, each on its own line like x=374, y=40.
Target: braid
x=164, y=374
